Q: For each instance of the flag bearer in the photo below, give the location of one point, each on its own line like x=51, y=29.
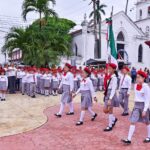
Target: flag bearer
x=110, y=98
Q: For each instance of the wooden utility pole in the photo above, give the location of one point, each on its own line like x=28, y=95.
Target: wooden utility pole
x=126, y=9
x=95, y=29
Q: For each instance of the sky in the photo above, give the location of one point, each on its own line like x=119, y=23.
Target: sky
x=10, y=12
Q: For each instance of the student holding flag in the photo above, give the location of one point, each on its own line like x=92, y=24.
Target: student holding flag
x=110, y=97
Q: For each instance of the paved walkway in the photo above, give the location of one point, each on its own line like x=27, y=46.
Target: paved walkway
x=62, y=134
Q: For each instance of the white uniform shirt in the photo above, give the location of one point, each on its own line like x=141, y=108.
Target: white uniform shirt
x=47, y=77
x=4, y=78
x=113, y=86
x=67, y=80
x=24, y=78
x=86, y=85
x=143, y=95
x=12, y=71
x=93, y=76
x=31, y=78
x=125, y=82
x=55, y=78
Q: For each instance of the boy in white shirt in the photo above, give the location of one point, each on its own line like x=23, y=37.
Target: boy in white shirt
x=124, y=90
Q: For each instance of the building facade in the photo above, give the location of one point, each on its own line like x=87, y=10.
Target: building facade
x=129, y=36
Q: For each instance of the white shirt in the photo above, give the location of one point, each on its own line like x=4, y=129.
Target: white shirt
x=55, y=78
x=113, y=86
x=31, y=78
x=47, y=77
x=100, y=76
x=11, y=71
x=93, y=76
x=143, y=95
x=87, y=86
x=67, y=80
x=125, y=82
x=4, y=78
x=24, y=78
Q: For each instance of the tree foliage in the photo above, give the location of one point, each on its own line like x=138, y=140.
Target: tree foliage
x=41, y=47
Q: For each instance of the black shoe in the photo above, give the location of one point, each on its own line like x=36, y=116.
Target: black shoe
x=33, y=96
x=22, y=94
x=125, y=114
x=94, y=117
x=70, y=113
x=58, y=115
x=114, y=122
x=127, y=142
x=79, y=123
x=108, y=129
x=147, y=140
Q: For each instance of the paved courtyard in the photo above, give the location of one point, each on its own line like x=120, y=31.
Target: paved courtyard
x=30, y=124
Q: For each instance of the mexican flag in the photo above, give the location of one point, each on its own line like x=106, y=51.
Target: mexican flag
x=112, y=52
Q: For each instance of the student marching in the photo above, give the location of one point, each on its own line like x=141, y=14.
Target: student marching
x=69, y=81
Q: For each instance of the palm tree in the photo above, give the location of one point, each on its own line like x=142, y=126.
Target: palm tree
x=98, y=16
x=14, y=39
x=40, y=6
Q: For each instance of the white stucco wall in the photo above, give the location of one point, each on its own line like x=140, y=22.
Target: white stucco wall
x=133, y=38
x=2, y=58
x=144, y=7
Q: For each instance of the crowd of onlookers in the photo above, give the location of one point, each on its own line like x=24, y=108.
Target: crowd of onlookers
x=45, y=81
x=134, y=74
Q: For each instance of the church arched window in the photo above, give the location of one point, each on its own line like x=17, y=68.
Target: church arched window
x=141, y=13
x=149, y=11
x=140, y=53
x=120, y=37
x=76, y=50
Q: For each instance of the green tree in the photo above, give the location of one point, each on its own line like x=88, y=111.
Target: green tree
x=41, y=47
x=39, y=6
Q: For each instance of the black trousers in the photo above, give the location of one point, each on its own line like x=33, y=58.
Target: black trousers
x=12, y=84
x=17, y=84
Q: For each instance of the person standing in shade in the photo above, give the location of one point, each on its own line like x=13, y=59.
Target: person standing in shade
x=67, y=85
x=3, y=84
x=124, y=90
x=141, y=112
x=133, y=75
x=12, y=78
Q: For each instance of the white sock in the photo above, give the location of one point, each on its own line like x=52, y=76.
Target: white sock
x=110, y=120
x=61, y=108
x=4, y=96
x=82, y=116
x=71, y=107
x=91, y=111
x=131, y=131
x=148, y=131
x=0, y=95
x=113, y=118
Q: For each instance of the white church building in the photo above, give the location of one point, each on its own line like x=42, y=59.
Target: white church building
x=132, y=37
